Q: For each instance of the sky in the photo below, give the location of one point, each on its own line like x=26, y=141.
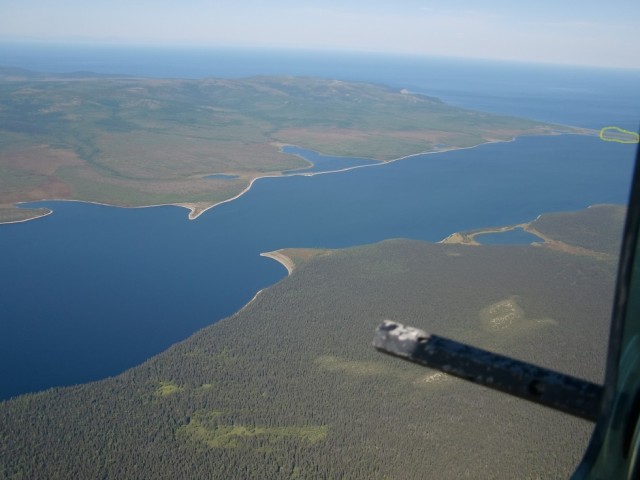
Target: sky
x=575, y=32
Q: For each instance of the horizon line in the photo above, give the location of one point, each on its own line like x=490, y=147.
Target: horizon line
x=118, y=43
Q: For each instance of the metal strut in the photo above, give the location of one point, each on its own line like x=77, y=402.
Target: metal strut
x=540, y=385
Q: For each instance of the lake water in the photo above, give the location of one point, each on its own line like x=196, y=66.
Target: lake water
x=92, y=290
x=517, y=236
x=325, y=163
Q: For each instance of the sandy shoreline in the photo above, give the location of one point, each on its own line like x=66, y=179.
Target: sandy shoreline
x=249, y=302
x=194, y=208
x=44, y=214
x=281, y=258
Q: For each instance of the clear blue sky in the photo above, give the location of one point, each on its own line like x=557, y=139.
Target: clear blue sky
x=582, y=32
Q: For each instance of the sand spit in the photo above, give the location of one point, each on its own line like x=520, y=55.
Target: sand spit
x=281, y=258
x=35, y=217
x=469, y=238
x=195, y=209
x=565, y=247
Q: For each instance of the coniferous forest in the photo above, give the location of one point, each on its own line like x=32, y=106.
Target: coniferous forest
x=290, y=387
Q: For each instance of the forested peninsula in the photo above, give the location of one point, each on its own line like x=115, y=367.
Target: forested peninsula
x=290, y=387
x=133, y=142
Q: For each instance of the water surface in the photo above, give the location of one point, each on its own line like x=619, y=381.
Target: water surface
x=92, y=290
x=517, y=236
x=325, y=163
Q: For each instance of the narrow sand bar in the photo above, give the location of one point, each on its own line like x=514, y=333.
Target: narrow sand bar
x=469, y=238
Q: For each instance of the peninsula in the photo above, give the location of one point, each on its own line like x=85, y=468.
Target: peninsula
x=135, y=142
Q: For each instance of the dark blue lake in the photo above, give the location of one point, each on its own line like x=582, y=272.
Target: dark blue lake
x=92, y=290
x=517, y=236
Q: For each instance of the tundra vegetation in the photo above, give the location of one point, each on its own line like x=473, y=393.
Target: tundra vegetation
x=137, y=141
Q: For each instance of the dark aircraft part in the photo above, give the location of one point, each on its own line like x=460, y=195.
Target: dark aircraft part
x=537, y=384
x=614, y=449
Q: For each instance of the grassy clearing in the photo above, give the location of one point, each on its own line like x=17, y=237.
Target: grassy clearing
x=352, y=367
x=204, y=427
x=167, y=388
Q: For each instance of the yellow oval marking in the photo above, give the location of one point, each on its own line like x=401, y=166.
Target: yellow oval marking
x=617, y=134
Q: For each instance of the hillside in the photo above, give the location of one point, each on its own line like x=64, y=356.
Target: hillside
x=290, y=387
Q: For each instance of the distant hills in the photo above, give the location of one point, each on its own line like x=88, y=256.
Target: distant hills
x=290, y=387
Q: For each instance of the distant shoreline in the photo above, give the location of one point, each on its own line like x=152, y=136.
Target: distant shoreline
x=198, y=208
x=193, y=215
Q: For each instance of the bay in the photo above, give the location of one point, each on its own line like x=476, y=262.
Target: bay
x=92, y=290
x=324, y=163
